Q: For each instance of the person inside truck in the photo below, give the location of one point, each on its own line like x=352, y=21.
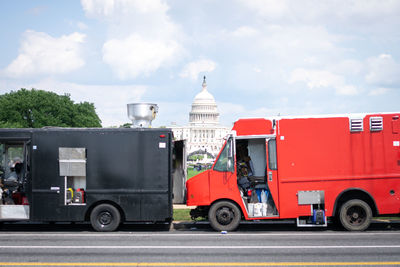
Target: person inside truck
x=13, y=184
x=244, y=166
x=5, y=195
x=15, y=176
x=244, y=162
x=19, y=167
x=249, y=164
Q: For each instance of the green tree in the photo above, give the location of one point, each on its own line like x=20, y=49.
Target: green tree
x=38, y=108
x=126, y=125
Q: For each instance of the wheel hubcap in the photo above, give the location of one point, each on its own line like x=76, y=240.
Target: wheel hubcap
x=105, y=218
x=356, y=215
x=225, y=216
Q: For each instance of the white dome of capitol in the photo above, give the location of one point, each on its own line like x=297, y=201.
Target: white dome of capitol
x=204, y=108
x=204, y=97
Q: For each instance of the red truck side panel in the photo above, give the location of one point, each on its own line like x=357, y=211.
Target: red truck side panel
x=322, y=154
x=253, y=127
x=198, y=189
x=223, y=185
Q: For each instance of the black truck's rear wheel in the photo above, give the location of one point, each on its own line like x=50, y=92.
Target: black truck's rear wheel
x=355, y=215
x=105, y=218
x=224, y=216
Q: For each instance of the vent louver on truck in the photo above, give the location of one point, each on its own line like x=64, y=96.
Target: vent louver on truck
x=356, y=125
x=376, y=124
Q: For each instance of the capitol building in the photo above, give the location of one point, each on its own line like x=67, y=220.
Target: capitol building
x=204, y=134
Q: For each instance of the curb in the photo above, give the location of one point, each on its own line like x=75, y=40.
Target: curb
x=276, y=224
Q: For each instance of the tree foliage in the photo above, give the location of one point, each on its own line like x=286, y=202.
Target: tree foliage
x=38, y=108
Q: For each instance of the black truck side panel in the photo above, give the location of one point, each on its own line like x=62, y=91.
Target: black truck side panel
x=129, y=168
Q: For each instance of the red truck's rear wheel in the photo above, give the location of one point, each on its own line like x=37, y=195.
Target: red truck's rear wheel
x=224, y=216
x=355, y=215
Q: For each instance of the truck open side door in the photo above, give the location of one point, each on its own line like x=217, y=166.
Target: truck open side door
x=272, y=170
x=179, y=170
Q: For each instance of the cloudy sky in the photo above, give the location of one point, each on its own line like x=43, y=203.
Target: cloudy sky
x=261, y=57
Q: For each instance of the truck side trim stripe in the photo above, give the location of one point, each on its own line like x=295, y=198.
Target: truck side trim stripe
x=320, y=179
x=110, y=191
x=126, y=191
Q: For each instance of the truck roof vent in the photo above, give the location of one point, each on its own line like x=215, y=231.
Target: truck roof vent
x=376, y=124
x=142, y=114
x=356, y=125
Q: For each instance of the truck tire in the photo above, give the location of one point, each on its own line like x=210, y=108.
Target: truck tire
x=355, y=215
x=105, y=218
x=224, y=216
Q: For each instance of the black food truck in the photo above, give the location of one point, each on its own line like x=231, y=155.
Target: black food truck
x=105, y=176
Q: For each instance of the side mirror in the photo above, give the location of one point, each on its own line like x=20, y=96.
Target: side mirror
x=230, y=150
x=230, y=155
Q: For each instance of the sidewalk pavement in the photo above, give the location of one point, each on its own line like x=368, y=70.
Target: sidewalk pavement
x=183, y=206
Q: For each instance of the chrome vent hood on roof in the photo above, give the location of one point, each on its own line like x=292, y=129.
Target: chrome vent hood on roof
x=142, y=114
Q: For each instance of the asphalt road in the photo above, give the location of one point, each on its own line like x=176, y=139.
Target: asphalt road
x=197, y=245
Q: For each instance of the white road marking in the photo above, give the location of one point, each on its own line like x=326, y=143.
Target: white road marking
x=199, y=247
x=200, y=234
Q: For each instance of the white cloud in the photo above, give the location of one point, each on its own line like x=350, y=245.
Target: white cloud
x=244, y=31
x=98, y=7
x=348, y=67
x=82, y=26
x=122, y=18
x=37, y=11
x=231, y=112
x=172, y=112
x=136, y=55
x=303, y=38
x=109, y=8
x=346, y=90
x=193, y=69
x=41, y=53
x=316, y=78
x=383, y=70
x=297, y=44
x=257, y=69
x=379, y=91
x=141, y=36
x=322, y=79
x=268, y=8
x=358, y=13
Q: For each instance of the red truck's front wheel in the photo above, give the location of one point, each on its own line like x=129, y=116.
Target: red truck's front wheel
x=224, y=216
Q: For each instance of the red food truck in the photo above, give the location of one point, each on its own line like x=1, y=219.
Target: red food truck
x=344, y=167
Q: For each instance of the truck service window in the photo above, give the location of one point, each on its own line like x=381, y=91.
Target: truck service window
x=272, y=154
x=225, y=160
x=11, y=154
